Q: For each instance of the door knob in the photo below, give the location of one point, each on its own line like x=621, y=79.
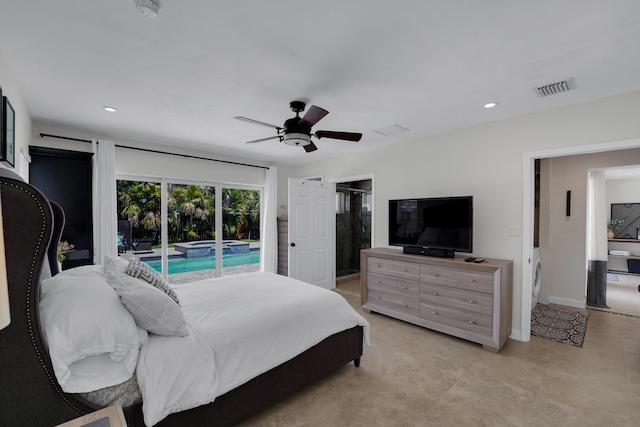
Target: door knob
x=293, y=244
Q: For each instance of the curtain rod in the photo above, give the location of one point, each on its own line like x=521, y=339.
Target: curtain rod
x=42, y=135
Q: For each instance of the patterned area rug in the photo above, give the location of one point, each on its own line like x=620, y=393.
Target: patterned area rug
x=559, y=324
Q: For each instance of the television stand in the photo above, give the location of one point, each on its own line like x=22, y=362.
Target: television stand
x=464, y=299
x=426, y=251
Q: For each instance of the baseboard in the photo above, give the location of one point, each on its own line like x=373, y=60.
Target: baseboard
x=516, y=334
x=567, y=302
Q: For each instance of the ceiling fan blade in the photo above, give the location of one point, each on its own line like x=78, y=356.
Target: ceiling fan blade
x=347, y=136
x=256, y=122
x=310, y=147
x=313, y=116
x=263, y=139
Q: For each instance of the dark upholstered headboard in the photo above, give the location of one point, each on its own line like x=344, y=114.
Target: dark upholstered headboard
x=29, y=392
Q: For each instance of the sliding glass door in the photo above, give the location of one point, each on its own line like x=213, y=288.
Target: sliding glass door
x=139, y=218
x=191, y=214
x=241, y=230
x=191, y=232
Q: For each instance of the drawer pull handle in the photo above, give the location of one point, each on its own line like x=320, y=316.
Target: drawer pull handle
x=434, y=312
x=471, y=301
x=377, y=297
x=434, y=274
x=435, y=294
x=378, y=281
x=404, y=269
x=471, y=322
x=404, y=305
x=472, y=280
x=404, y=287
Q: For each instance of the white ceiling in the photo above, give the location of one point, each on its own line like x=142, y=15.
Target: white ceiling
x=426, y=65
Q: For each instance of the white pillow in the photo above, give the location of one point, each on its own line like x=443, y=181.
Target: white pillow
x=142, y=271
x=151, y=308
x=115, y=263
x=84, y=271
x=93, y=340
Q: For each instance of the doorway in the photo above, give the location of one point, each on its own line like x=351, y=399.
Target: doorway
x=528, y=217
x=622, y=207
x=353, y=224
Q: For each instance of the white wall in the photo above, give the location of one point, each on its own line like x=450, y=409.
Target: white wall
x=146, y=164
x=10, y=89
x=622, y=191
x=484, y=161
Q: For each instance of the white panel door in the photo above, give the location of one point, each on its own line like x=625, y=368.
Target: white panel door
x=312, y=223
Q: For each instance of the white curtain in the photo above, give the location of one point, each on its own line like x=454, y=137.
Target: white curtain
x=269, y=226
x=597, y=240
x=105, y=228
x=597, y=245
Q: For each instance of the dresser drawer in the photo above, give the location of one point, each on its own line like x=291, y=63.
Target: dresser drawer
x=393, y=301
x=458, y=278
x=388, y=267
x=410, y=288
x=462, y=299
x=461, y=319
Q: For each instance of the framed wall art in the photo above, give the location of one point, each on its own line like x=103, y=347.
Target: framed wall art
x=8, y=142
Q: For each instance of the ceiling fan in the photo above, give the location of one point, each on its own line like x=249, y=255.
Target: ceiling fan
x=296, y=131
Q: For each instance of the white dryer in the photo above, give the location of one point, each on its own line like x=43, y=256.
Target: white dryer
x=536, y=280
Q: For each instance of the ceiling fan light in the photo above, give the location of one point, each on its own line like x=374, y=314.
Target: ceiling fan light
x=297, y=139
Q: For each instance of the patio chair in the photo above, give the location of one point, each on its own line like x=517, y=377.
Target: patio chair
x=144, y=246
x=120, y=242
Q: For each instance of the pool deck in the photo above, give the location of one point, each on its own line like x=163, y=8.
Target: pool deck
x=193, y=276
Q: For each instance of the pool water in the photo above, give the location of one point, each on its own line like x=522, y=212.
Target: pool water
x=186, y=265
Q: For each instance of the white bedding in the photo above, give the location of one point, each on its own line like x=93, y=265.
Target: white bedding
x=239, y=327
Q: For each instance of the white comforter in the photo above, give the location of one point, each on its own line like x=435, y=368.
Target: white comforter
x=239, y=327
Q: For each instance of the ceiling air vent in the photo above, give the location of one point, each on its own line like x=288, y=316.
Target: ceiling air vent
x=555, y=88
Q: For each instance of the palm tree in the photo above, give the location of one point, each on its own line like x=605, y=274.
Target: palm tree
x=250, y=212
x=242, y=210
x=192, y=209
x=139, y=203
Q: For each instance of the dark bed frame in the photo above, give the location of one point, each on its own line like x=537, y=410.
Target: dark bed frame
x=29, y=392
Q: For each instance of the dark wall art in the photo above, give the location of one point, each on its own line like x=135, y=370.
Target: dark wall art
x=7, y=145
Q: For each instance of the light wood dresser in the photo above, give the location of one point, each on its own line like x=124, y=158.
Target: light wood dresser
x=464, y=299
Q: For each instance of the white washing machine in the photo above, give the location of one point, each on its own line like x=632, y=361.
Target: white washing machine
x=536, y=280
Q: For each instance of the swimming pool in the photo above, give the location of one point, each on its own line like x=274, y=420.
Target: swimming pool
x=186, y=265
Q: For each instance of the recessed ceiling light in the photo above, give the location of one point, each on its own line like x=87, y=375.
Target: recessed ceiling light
x=109, y=109
x=490, y=105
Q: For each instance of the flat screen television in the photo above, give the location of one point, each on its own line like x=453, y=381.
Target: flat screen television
x=439, y=223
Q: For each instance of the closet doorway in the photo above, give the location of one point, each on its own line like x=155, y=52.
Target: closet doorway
x=354, y=207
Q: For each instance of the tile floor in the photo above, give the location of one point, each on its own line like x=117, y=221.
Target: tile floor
x=623, y=295
x=411, y=376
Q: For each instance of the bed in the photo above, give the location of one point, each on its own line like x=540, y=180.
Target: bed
x=235, y=385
